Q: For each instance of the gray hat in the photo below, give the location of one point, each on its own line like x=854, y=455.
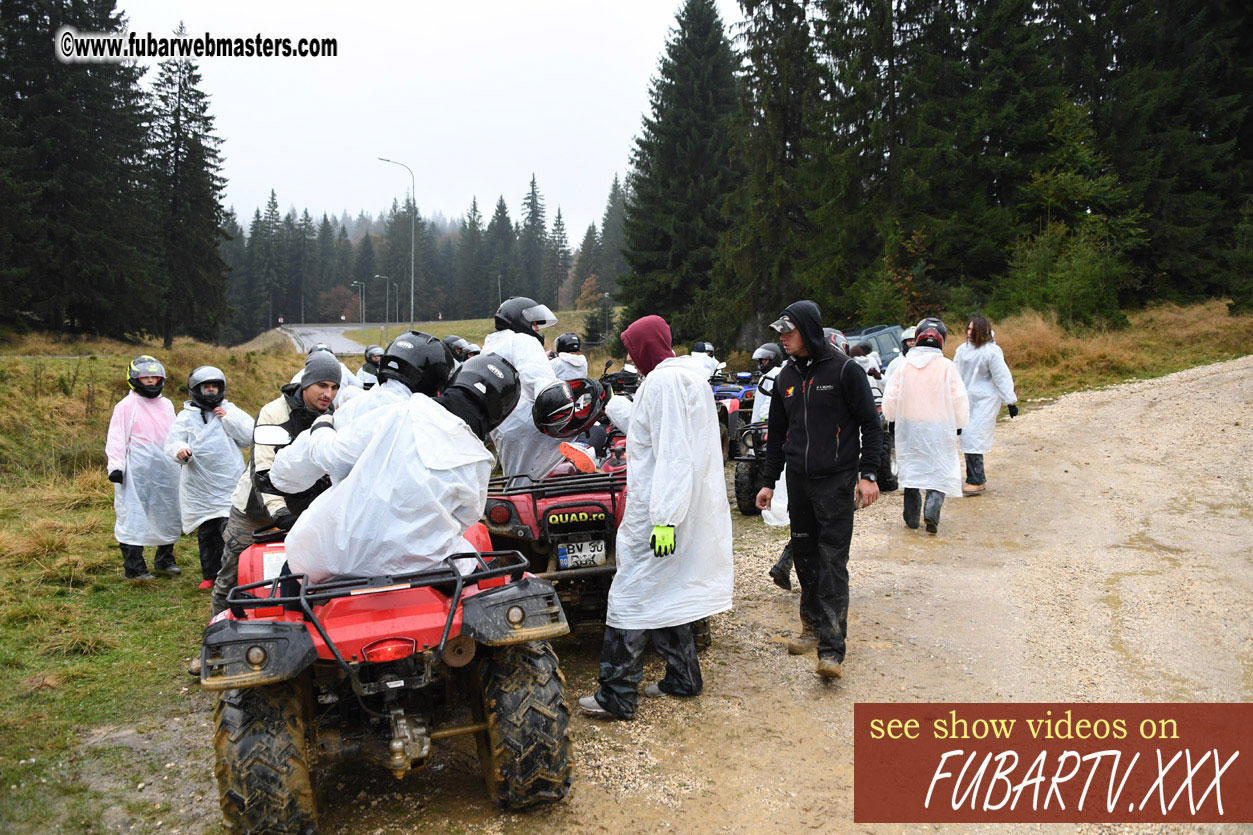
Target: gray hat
x=320, y=367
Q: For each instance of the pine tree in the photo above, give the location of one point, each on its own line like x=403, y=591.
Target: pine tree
x=768, y=212
x=234, y=253
x=613, y=264
x=531, y=244
x=556, y=261
x=499, y=245
x=681, y=173
x=470, y=265
x=587, y=259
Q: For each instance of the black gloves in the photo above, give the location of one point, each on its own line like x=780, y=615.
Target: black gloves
x=117, y=477
x=285, y=520
x=1013, y=410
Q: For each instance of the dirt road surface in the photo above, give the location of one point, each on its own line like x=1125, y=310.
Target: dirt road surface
x=1109, y=561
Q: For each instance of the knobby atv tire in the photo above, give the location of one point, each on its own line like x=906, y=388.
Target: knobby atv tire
x=886, y=475
x=263, y=770
x=525, y=751
x=748, y=483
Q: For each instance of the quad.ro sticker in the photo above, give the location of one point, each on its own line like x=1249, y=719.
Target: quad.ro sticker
x=572, y=518
x=1053, y=763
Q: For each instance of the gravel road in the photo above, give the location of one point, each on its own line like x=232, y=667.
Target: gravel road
x=1109, y=561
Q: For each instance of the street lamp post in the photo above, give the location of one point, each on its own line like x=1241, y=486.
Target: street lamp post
x=396, y=294
x=361, y=284
x=499, y=298
x=413, y=198
x=386, y=322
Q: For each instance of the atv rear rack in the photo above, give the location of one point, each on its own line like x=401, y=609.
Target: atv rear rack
x=551, y=488
x=307, y=595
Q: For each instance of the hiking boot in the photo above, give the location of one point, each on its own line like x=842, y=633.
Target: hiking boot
x=140, y=579
x=781, y=577
x=973, y=489
x=591, y=707
x=168, y=570
x=193, y=669
x=932, y=527
x=654, y=690
x=802, y=644
x=829, y=668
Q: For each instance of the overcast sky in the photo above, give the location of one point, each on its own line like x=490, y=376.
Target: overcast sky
x=473, y=96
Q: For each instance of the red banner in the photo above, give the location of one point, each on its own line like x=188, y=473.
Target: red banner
x=1053, y=763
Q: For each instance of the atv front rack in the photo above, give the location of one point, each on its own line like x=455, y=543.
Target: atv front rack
x=307, y=595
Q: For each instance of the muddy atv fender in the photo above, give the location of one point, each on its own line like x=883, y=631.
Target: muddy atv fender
x=528, y=610
x=253, y=653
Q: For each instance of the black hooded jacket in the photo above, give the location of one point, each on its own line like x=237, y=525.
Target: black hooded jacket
x=820, y=403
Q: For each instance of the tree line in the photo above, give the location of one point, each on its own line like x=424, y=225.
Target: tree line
x=292, y=268
x=888, y=158
x=893, y=158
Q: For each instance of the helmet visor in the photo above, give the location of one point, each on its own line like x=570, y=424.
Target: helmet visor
x=539, y=316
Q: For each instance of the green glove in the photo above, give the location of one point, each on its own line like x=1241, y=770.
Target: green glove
x=662, y=540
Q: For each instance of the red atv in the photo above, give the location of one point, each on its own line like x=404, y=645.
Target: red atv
x=565, y=526
x=376, y=668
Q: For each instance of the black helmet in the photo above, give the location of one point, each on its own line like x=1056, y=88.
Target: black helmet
x=931, y=333
x=418, y=360
x=703, y=348
x=567, y=408
x=493, y=382
x=768, y=356
x=836, y=339
x=373, y=354
x=198, y=378
x=567, y=343
x=457, y=347
x=473, y=349
x=321, y=346
x=145, y=366
x=519, y=313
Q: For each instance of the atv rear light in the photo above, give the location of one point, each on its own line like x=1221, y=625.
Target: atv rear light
x=499, y=514
x=389, y=649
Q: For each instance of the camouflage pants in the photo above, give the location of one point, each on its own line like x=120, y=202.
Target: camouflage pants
x=622, y=666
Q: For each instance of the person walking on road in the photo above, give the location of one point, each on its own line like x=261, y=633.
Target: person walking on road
x=988, y=382
x=824, y=425
x=927, y=401
x=674, y=544
x=145, y=480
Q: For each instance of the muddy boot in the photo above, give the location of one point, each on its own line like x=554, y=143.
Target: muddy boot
x=193, y=669
x=781, y=571
x=912, y=507
x=829, y=668
x=803, y=644
x=931, y=510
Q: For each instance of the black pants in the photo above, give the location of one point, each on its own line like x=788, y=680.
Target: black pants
x=974, y=469
x=209, y=537
x=821, y=509
x=622, y=666
x=133, y=559
x=914, y=504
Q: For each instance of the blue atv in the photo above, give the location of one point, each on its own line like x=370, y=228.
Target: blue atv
x=732, y=396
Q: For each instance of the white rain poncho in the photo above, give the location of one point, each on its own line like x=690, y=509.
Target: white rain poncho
x=522, y=448
x=927, y=400
x=893, y=367
x=416, y=480
x=761, y=400
x=210, y=476
x=569, y=366
x=366, y=378
x=709, y=363
x=295, y=471
x=988, y=384
x=146, y=502
x=674, y=477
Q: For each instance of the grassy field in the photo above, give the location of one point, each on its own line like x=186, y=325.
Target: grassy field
x=80, y=649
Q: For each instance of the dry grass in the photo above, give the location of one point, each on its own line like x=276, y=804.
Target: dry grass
x=1047, y=360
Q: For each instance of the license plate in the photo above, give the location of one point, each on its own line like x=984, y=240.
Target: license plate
x=584, y=553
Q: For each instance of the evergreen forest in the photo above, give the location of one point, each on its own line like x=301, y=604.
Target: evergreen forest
x=887, y=158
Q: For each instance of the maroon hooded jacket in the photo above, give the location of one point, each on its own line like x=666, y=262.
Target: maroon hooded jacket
x=648, y=342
